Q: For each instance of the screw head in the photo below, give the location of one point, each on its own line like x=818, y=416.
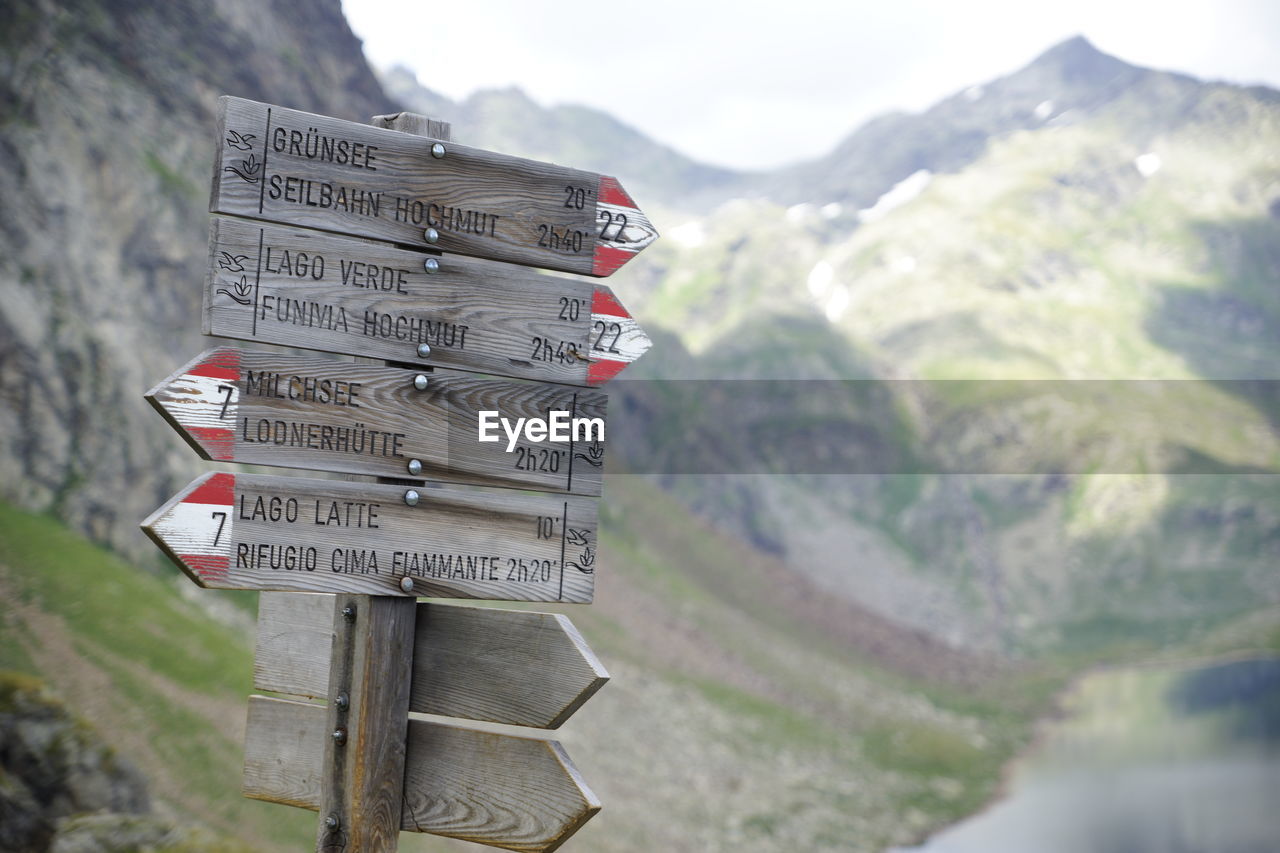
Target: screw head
x=406, y=583
x=424, y=350
x=437, y=150
x=331, y=822
x=349, y=613
x=421, y=381
x=411, y=497
x=431, y=235
x=415, y=466
x=343, y=701
x=431, y=265
x=339, y=736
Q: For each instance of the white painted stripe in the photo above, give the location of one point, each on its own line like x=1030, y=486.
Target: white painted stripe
x=196, y=401
x=637, y=233
x=190, y=529
x=631, y=343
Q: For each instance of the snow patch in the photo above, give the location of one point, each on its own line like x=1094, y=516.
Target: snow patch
x=832, y=297
x=1148, y=164
x=836, y=303
x=1043, y=110
x=798, y=213
x=820, y=278
x=832, y=210
x=974, y=93
x=901, y=193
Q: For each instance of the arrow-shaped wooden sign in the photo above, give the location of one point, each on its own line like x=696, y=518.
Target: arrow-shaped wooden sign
x=247, y=531
x=320, y=172
x=310, y=412
x=321, y=291
x=504, y=791
x=501, y=666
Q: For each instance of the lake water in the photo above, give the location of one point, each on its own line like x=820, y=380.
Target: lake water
x=1150, y=760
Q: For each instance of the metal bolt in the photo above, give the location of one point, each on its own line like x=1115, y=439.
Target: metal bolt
x=411, y=497
x=421, y=381
x=339, y=736
x=437, y=150
x=406, y=583
x=331, y=822
x=349, y=613
x=431, y=265
x=415, y=466
x=343, y=702
x=424, y=350
x=431, y=235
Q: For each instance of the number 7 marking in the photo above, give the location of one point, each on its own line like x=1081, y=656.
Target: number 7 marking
x=227, y=390
x=222, y=521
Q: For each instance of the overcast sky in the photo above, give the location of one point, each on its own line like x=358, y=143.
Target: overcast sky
x=752, y=84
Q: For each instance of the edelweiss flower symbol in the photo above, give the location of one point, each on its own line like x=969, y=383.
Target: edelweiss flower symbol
x=250, y=170
x=586, y=562
x=242, y=290
x=594, y=455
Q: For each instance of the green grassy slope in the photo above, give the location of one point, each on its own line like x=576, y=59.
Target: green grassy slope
x=730, y=723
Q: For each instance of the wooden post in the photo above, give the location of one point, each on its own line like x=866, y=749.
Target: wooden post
x=371, y=670
x=362, y=786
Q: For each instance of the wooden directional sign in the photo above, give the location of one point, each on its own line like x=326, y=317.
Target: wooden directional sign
x=321, y=291
x=303, y=169
x=504, y=791
x=501, y=666
x=246, y=531
x=310, y=412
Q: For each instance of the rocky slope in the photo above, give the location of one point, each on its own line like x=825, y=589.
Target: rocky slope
x=106, y=112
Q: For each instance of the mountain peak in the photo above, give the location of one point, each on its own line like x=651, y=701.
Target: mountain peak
x=1076, y=60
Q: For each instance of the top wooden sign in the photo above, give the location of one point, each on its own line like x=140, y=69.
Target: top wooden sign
x=303, y=169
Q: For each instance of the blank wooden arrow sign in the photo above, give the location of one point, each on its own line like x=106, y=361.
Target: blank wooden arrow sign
x=504, y=791
x=317, y=413
x=316, y=290
x=320, y=172
x=500, y=666
x=247, y=531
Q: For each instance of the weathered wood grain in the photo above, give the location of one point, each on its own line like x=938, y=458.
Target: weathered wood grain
x=249, y=531
x=320, y=172
x=516, y=793
x=363, y=775
x=501, y=666
x=293, y=642
x=316, y=290
x=316, y=413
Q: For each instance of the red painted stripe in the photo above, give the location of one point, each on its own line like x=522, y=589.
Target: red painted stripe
x=611, y=192
x=218, y=489
x=220, y=443
x=600, y=372
x=607, y=259
x=221, y=364
x=604, y=302
x=207, y=567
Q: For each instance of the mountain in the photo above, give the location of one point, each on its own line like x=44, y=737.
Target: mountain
x=802, y=660
x=509, y=120
x=976, y=262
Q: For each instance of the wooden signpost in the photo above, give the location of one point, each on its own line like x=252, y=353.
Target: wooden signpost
x=297, y=168
x=320, y=291
x=317, y=413
x=252, y=531
x=380, y=288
